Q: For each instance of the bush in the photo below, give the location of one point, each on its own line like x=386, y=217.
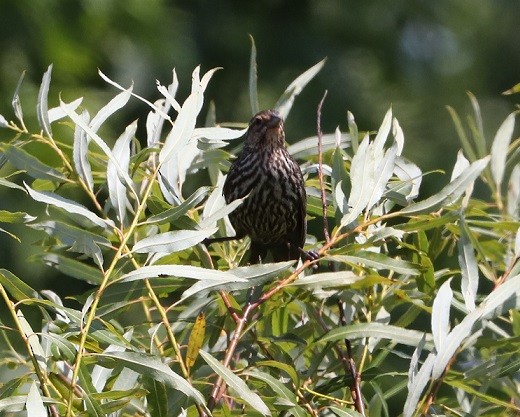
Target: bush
x=170, y=327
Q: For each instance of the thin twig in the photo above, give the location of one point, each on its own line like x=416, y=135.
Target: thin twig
x=225, y=298
x=355, y=387
x=320, y=169
x=348, y=365
x=218, y=390
x=347, y=360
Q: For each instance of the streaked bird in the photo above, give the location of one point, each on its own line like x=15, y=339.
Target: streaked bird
x=273, y=214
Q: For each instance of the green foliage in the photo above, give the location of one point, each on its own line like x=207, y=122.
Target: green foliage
x=169, y=325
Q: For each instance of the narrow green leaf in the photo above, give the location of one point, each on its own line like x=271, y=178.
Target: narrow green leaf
x=378, y=261
x=513, y=193
x=253, y=77
x=492, y=399
x=168, y=216
x=151, y=367
x=195, y=340
x=80, y=121
x=240, y=387
x=13, y=402
x=450, y=192
x=170, y=155
x=440, y=320
x=361, y=179
x=353, y=130
x=10, y=184
x=69, y=206
x=119, y=87
x=414, y=364
x=66, y=349
x=34, y=404
x=265, y=271
x=15, y=217
x=466, y=145
x=3, y=121
x=157, y=397
x=384, y=171
x=216, y=200
x=309, y=146
x=468, y=266
x=410, y=177
x=502, y=299
x=289, y=369
x=339, y=171
x=338, y=279
x=183, y=128
x=21, y=159
x=75, y=238
x=92, y=405
x=517, y=244
x=243, y=278
x=76, y=269
x=57, y=113
x=18, y=289
x=218, y=134
x=453, y=341
x=42, y=108
x=513, y=90
x=118, y=102
x=2, y=230
x=283, y=393
x=116, y=188
x=181, y=271
x=415, y=390
x=34, y=342
x=378, y=330
x=17, y=107
x=155, y=123
x=398, y=134
x=383, y=131
x=169, y=93
x=478, y=137
x=344, y=412
x=500, y=147
x=101, y=374
x=172, y=241
x=80, y=152
x=285, y=102
x=210, y=221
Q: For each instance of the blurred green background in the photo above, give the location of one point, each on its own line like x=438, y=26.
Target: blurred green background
x=416, y=56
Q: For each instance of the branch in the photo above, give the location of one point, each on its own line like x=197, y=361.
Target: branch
x=355, y=387
x=217, y=391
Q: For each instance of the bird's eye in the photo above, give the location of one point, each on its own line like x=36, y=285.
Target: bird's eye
x=257, y=121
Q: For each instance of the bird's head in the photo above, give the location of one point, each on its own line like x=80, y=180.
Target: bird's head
x=266, y=130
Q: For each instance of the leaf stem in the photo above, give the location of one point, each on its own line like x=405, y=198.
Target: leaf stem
x=103, y=285
x=40, y=373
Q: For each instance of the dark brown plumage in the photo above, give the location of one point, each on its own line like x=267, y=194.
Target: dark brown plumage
x=273, y=214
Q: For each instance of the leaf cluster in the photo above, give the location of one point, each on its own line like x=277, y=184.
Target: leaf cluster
x=171, y=327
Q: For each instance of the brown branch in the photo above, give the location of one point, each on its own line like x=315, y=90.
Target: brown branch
x=347, y=360
x=241, y=321
x=355, y=386
x=435, y=386
x=225, y=298
x=218, y=388
x=320, y=169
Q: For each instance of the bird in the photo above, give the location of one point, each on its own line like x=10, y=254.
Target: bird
x=273, y=213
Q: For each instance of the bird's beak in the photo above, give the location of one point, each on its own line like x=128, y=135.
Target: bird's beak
x=274, y=121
